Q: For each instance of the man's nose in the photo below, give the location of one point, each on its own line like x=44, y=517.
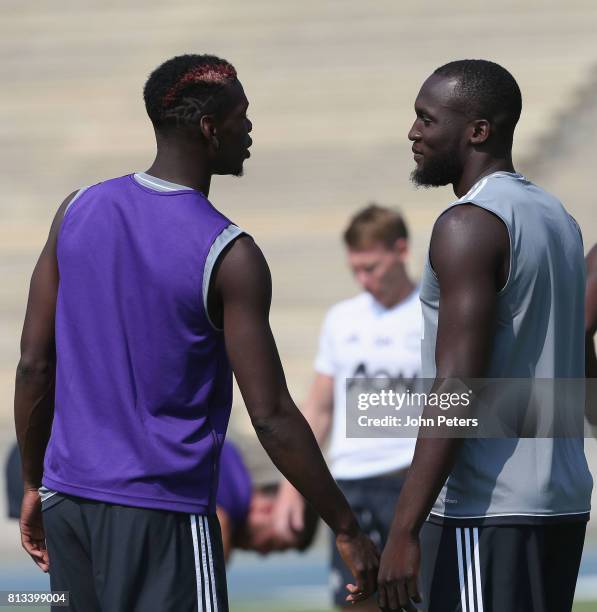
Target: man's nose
x=414, y=133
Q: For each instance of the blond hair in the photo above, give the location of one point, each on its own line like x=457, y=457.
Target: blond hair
x=374, y=224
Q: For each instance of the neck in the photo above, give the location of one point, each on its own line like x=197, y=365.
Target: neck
x=183, y=164
x=477, y=169
x=403, y=290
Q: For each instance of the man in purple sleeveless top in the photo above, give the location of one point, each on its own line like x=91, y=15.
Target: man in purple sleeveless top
x=143, y=302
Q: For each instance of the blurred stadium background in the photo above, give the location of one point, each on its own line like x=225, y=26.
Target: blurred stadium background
x=331, y=85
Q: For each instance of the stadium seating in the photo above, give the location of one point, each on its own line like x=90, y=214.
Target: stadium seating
x=331, y=85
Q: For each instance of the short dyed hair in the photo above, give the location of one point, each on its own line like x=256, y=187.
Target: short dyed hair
x=486, y=91
x=183, y=89
x=375, y=224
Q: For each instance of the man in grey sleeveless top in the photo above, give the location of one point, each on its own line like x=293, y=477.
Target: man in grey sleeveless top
x=498, y=524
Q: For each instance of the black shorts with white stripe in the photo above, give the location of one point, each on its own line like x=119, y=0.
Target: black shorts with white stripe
x=125, y=559
x=516, y=568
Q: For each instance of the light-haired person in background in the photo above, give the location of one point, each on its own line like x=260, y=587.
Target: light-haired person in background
x=375, y=334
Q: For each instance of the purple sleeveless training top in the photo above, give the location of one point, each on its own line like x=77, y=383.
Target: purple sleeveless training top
x=143, y=382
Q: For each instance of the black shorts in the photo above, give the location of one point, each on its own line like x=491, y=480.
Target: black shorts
x=373, y=501
x=500, y=568
x=114, y=558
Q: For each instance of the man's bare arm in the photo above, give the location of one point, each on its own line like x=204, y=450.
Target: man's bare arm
x=468, y=250
x=243, y=284
x=226, y=528
x=289, y=511
x=34, y=388
x=34, y=398
x=319, y=406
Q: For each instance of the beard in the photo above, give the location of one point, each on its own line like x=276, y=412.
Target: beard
x=238, y=169
x=437, y=171
x=229, y=168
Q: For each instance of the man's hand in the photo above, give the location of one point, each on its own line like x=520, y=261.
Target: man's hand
x=362, y=559
x=33, y=537
x=289, y=512
x=398, y=573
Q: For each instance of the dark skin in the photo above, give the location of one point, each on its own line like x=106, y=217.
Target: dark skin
x=590, y=330
x=218, y=145
x=240, y=297
x=34, y=389
x=469, y=252
x=243, y=284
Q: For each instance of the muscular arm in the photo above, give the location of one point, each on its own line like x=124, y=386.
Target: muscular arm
x=34, y=385
x=469, y=248
x=289, y=511
x=226, y=527
x=34, y=389
x=243, y=284
x=318, y=407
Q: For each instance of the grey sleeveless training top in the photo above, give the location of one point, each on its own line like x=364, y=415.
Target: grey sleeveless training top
x=539, y=334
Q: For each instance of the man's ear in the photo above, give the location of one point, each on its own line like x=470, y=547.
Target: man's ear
x=209, y=131
x=401, y=247
x=481, y=130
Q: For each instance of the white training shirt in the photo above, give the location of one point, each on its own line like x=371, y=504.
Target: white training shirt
x=362, y=338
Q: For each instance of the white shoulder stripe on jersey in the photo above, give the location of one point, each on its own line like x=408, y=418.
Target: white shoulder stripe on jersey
x=478, y=186
x=197, y=567
x=475, y=191
x=77, y=196
x=220, y=243
x=153, y=182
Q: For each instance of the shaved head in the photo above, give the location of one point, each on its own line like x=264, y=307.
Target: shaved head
x=485, y=90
